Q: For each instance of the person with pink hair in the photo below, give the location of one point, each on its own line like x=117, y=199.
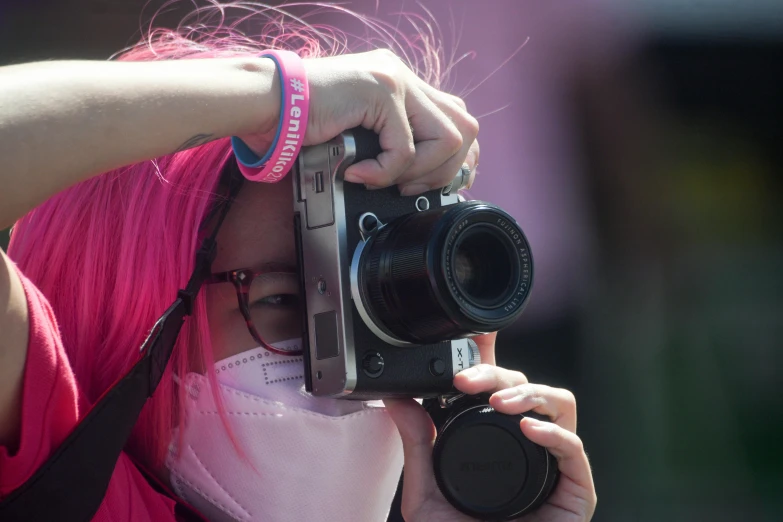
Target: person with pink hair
x=110, y=172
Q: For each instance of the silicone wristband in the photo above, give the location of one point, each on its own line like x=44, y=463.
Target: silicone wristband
x=294, y=108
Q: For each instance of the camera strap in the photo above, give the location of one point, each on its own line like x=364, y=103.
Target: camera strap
x=72, y=483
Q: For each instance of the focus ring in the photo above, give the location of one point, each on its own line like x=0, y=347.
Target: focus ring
x=395, y=281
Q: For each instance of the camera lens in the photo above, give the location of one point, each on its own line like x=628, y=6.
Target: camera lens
x=444, y=273
x=484, y=267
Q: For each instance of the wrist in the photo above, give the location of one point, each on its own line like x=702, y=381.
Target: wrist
x=264, y=98
x=294, y=102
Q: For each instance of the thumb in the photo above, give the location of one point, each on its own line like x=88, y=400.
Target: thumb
x=418, y=436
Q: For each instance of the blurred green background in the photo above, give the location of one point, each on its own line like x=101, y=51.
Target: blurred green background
x=674, y=342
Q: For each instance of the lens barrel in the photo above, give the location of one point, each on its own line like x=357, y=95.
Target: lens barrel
x=446, y=273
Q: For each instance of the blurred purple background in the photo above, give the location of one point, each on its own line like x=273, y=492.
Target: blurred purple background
x=638, y=143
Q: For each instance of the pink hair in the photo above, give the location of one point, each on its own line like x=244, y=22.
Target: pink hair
x=110, y=253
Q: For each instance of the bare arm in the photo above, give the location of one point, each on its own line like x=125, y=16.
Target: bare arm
x=62, y=122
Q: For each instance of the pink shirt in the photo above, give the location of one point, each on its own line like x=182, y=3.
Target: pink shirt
x=51, y=408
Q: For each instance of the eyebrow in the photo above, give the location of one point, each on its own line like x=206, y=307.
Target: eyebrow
x=269, y=266
x=272, y=266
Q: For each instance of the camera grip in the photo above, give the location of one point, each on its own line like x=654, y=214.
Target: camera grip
x=368, y=144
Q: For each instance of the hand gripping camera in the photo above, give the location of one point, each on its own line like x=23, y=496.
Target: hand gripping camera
x=393, y=288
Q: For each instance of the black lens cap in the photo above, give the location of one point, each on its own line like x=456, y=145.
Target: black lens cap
x=488, y=469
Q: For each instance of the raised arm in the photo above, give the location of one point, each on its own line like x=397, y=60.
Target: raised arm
x=62, y=122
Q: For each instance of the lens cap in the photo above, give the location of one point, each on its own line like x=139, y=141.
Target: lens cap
x=488, y=469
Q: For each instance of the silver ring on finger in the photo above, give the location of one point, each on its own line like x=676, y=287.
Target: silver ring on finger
x=463, y=179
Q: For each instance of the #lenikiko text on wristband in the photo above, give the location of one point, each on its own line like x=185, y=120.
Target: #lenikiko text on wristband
x=294, y=109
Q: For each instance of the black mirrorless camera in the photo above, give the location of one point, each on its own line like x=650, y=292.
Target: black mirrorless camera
x=393, y=288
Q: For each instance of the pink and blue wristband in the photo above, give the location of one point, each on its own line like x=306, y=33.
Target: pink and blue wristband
x=294, y=109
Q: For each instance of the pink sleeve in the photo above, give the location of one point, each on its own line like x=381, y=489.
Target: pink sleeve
x=49, y=395
x=50, y=410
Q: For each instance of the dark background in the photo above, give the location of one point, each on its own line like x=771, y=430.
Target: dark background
x=639, y=145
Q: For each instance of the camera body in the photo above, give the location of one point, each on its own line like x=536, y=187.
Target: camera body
x=392, y=289
x=388, y=306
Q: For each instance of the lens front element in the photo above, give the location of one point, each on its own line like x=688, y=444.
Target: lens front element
x=485, y=270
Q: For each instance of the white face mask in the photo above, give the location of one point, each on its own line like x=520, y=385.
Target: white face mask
x=307, y=458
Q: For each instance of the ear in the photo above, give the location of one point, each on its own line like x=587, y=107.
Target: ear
x=486, y=345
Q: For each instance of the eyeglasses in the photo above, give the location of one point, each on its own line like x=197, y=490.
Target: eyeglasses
x=270, y=317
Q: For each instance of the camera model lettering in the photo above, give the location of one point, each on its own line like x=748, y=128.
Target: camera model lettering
x=460, y=358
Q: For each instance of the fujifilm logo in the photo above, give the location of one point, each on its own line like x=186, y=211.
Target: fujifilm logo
x=493, y=466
